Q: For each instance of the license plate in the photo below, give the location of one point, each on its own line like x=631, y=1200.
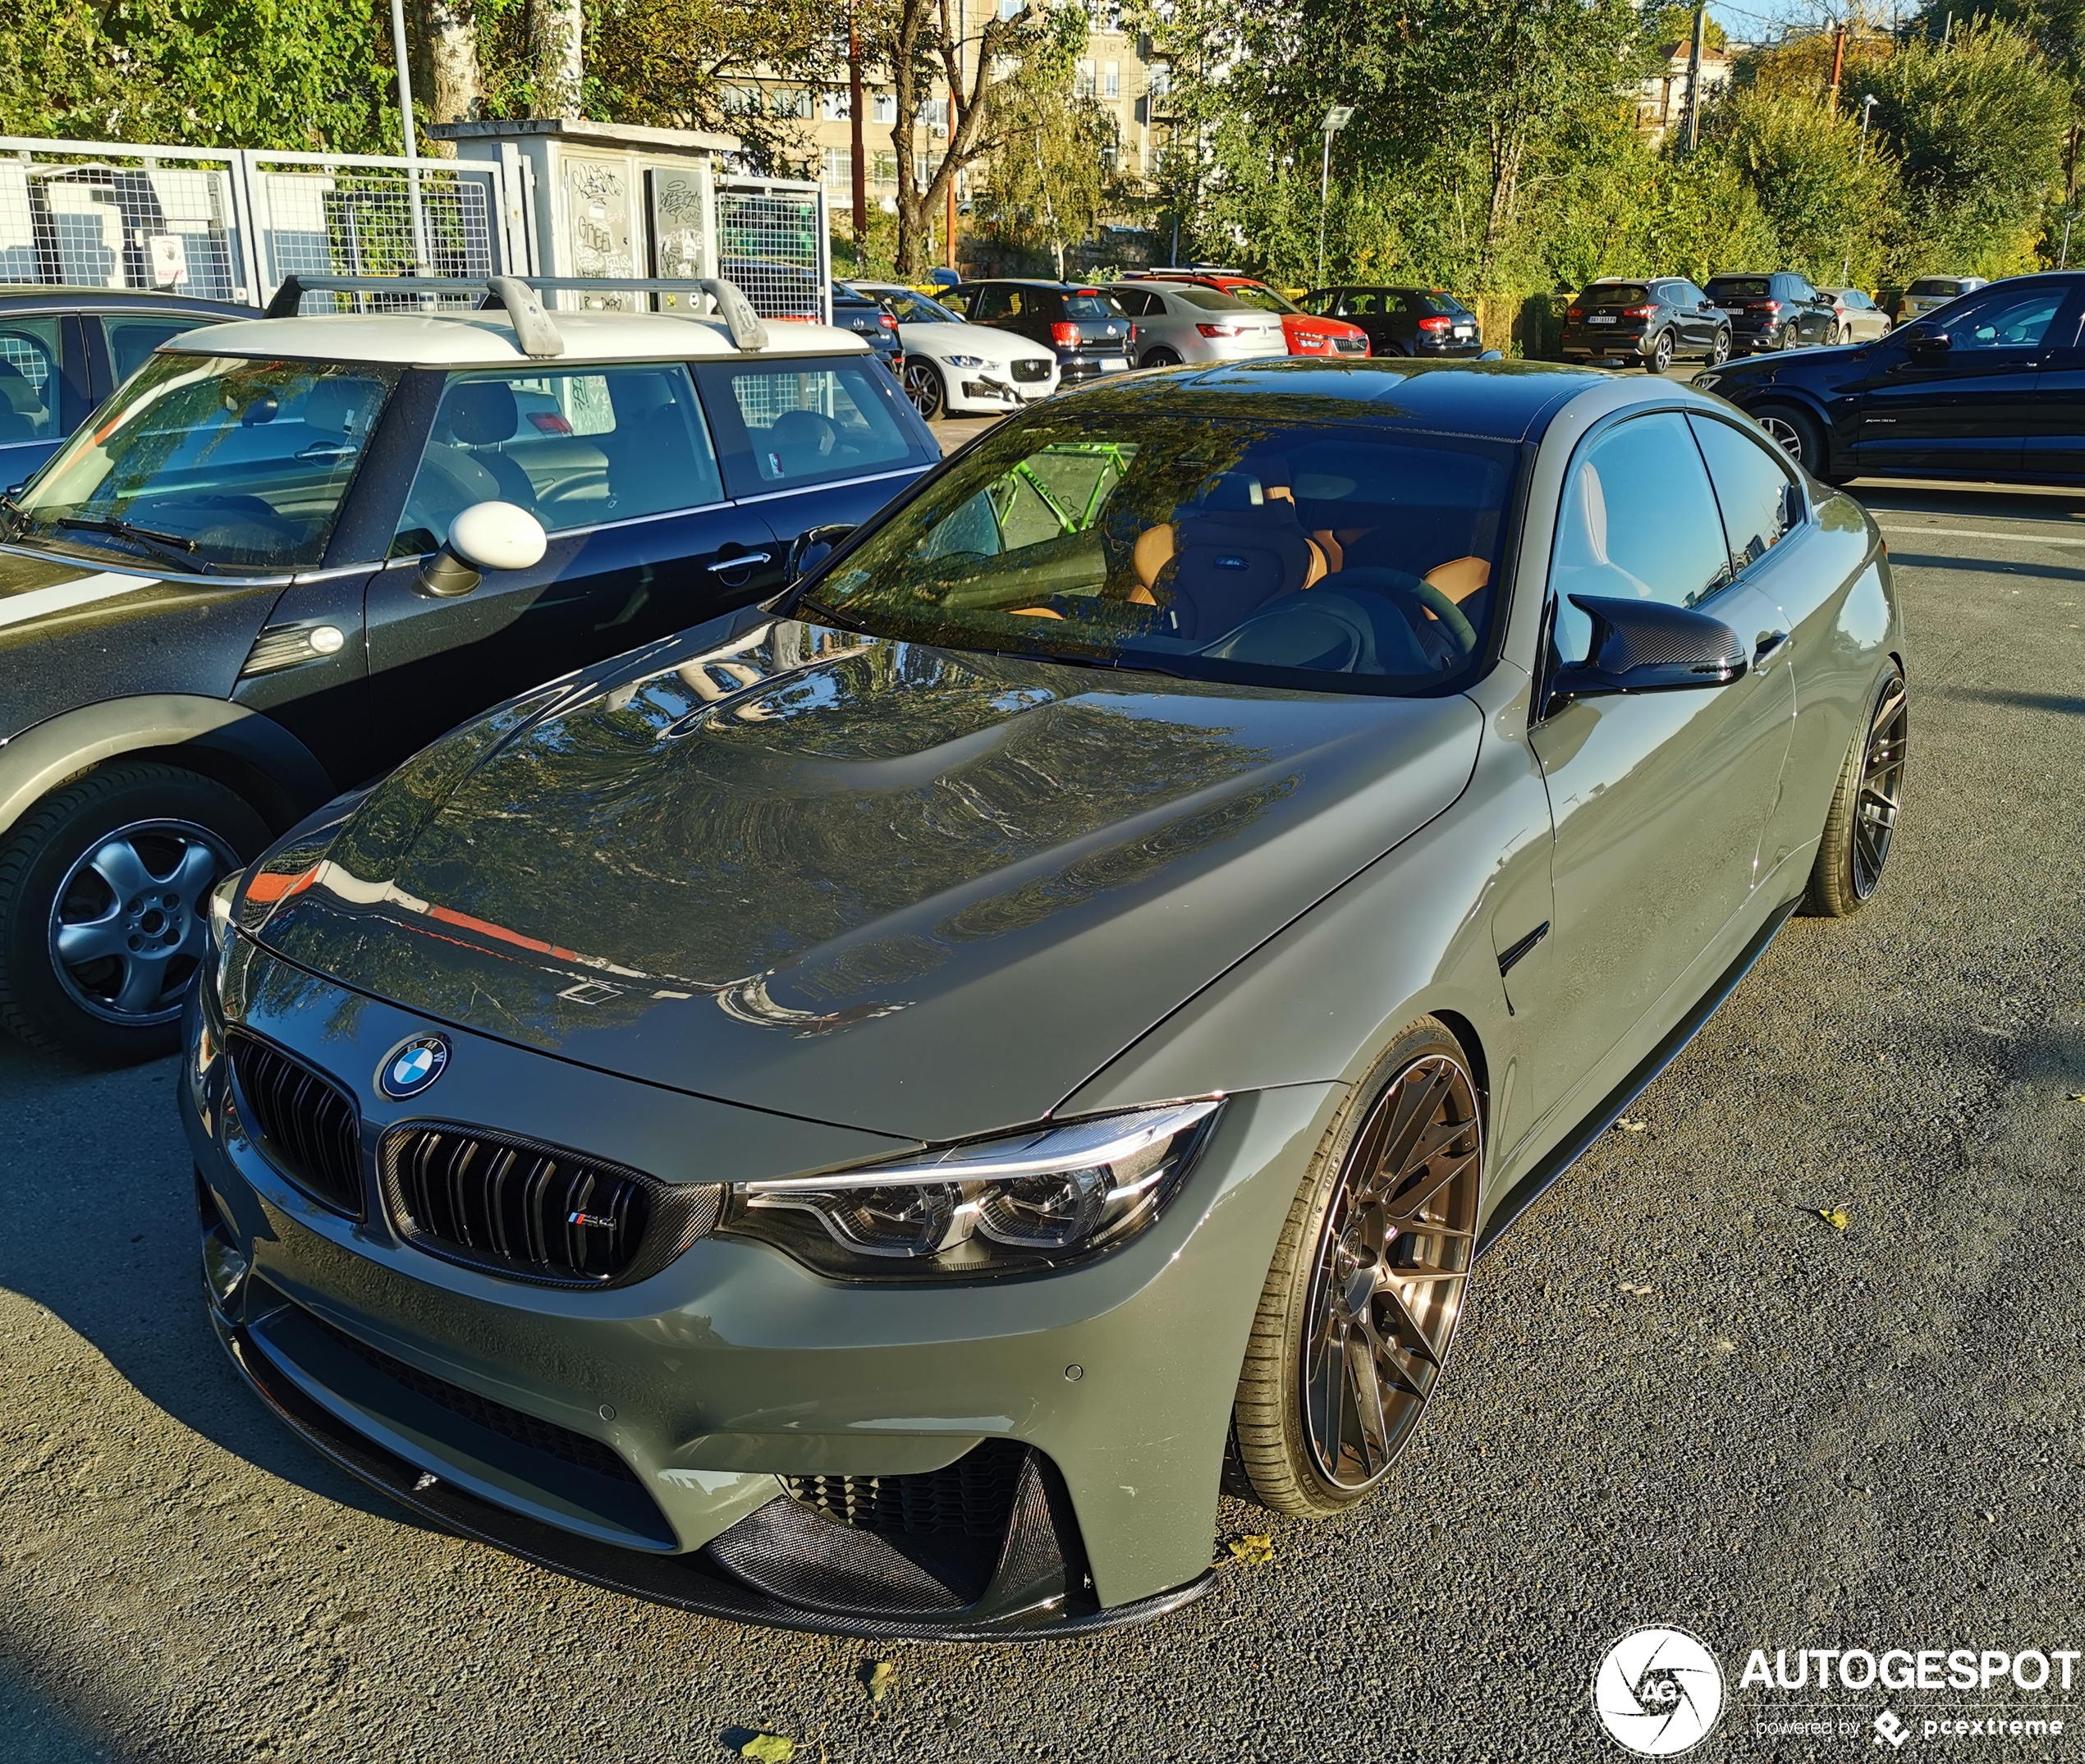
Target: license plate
x=1600, y=319
x=1112, y=361
x=1464, y=330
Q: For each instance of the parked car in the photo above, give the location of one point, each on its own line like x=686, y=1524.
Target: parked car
x=959, y=368
x=849, y=1118
x=62, y=351
x=1777, y=311
x=1991, y=386
x=1860, y=320
x=1086, y=331
x=1428, y=322
x=1306, y=333
x=1652, y=321
x=1177, y=322
x=866, y=315
x=292, y=551
x=1930, y=293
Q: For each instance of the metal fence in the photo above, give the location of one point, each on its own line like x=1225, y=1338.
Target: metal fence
x=772, y=240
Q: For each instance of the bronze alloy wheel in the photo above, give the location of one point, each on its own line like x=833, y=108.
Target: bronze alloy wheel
x=1361, y=1304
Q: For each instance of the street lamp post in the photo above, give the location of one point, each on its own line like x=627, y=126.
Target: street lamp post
x=1336, y=119
x=420, y=264
x=1868, y=105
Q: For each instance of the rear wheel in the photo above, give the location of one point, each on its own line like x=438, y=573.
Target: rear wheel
x=1160, y=357
x=104, y=901
x=1789, y=335
x=1862, y=823
x=1366, y=1289
x=1844, y=335
x=1661, y=356
x=922, y=387
x=1719, y=351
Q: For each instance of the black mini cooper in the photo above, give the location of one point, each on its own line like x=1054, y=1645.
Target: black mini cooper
x=289, y=552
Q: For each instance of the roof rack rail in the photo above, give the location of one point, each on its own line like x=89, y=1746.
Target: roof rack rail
x=521, y=298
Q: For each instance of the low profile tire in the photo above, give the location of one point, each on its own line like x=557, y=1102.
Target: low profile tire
x=104, y=904
x=1661, y=356
x=924, y=390
x=1801, y=436
x=1862, y=823
x=1159, y=357
x=1366, y=1288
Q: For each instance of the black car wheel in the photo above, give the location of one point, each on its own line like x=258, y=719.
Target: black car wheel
x=1802, y=436
x=1719, y=351
x=1661, y=356
x=923, y=387
x=104, y=905
x=1159, y=357
x=1862, y=823
x=1366, y=1289
x=1787, y=339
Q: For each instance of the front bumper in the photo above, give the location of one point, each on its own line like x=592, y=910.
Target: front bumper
x=661, y=1438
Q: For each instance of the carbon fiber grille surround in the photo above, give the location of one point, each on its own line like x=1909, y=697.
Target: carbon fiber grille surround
x=531, y=1430
x=304, y=1123
x=532, y=1212
x=973, y=1497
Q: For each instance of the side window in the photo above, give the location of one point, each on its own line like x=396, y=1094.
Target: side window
x=1357, y=304
x=1686, y=293
x=988, y=304
x=2012, y=320
x=1016, y=302
x=1637, y=522
x=1752, y=486
x=800, y=423
x=1135, y=305
x=573, y=449
x=132, y=341
x=30, y=381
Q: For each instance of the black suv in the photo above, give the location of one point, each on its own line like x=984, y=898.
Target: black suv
x=870, y=320
x=1091, y=335
x=1428, y=322
x=1652, y=321
x=291, y=551
x=62, y=351
x=1991, y=386
x=1777, y=311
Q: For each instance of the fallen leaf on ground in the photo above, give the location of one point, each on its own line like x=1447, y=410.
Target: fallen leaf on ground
x=879, y=1680
x=1835, y=1216
x=1628, y=1125
x=1642, y=1291
x=769, y=1748
x=1254, y=1551
x=2078, y=1096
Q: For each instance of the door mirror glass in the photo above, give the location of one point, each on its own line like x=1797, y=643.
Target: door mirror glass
x=812, y=549
x=1927, y=346
x=497, y=536
x=1645, y=646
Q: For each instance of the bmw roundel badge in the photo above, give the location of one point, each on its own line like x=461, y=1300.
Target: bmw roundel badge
x=412, y=1066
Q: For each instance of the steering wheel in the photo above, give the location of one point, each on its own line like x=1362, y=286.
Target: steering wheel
x=590, y=486
x=1398, y=584
x=1327, y=633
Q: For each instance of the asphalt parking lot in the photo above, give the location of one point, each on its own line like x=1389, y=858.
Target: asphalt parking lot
x=1682, y=1394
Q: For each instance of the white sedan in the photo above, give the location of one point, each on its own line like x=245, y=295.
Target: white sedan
x=957, y=368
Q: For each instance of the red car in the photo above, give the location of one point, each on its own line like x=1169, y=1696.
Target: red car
x=1305, y=333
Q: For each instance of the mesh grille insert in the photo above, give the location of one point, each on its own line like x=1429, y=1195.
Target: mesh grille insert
x=304, y=1124
x=973, y=1497
x=537, y=1212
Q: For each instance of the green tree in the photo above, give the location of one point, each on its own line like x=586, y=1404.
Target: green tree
x=1828, y=201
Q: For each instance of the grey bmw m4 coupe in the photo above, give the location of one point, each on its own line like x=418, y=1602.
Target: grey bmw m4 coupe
x=865, y=1114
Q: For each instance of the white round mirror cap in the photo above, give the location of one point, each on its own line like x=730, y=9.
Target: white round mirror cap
x=497, y=536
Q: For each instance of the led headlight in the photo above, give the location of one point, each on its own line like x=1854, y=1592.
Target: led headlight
x=1026, y=1201
x=964, y=361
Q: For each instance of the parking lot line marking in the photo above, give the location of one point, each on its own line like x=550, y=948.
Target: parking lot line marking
x=1985, y=533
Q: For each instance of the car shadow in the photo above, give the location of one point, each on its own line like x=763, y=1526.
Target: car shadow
x=1949, y=497
x=96, y=1183
x=1984, y=565
x=2062, y=703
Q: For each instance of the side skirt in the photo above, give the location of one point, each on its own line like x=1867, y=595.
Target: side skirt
x=1574, y=1144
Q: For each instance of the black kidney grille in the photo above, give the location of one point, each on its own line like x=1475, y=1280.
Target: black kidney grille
x=973, y=1497
x=537, y=1212
x=304, y=1125
x=523, y=1429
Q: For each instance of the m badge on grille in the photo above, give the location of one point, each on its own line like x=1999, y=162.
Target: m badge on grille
x=412, y=1066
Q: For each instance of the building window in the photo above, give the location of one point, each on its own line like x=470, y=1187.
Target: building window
x=883, y=169
x=883, y=108
x=1161, y=80
x=1012, y=8
x=934, y=113
x=839, y=170
x=1082, y=81
x=1111, y=80
x=833, y=106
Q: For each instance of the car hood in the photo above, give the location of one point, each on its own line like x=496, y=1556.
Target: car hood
x=969, y=339
x=864, y=881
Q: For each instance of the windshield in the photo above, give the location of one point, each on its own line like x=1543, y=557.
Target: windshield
x=1439, y=302
x=1207, y=299
x=223, y=460
x=1739, y=287
x=1265, y=298
x=916, y=308
x=1090, y=303
x=1937, y=285
x=1194, y=534
x=1614, y=294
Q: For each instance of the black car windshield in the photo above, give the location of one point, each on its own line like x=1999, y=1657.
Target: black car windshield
x=223, y=461
x=1739, y=287
x=1614, y=294
x=1270, y=540
x=1089, y=303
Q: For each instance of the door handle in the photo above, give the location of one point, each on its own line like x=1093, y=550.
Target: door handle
x=743, y=561
x=1771, y=643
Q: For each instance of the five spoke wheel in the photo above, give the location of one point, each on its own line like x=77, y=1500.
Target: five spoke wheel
x=128, y=924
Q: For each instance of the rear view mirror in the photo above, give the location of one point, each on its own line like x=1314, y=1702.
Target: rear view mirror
x=813, y=548
x=1645, y=646
x=485, y=536
x=1927, y=346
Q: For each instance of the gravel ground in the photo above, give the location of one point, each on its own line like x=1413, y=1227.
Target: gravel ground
x=1681, y=1395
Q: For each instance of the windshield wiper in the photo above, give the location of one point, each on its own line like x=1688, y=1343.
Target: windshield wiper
x=183, y=551
x=845, y=621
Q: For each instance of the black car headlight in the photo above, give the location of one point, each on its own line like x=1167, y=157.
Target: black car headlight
x=1014, y=1204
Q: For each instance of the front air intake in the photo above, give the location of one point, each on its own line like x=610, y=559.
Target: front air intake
x=973, y=1497
x=537, y=1212
x=304, y=1125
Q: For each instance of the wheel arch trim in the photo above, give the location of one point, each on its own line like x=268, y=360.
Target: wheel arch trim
x=239, y=747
